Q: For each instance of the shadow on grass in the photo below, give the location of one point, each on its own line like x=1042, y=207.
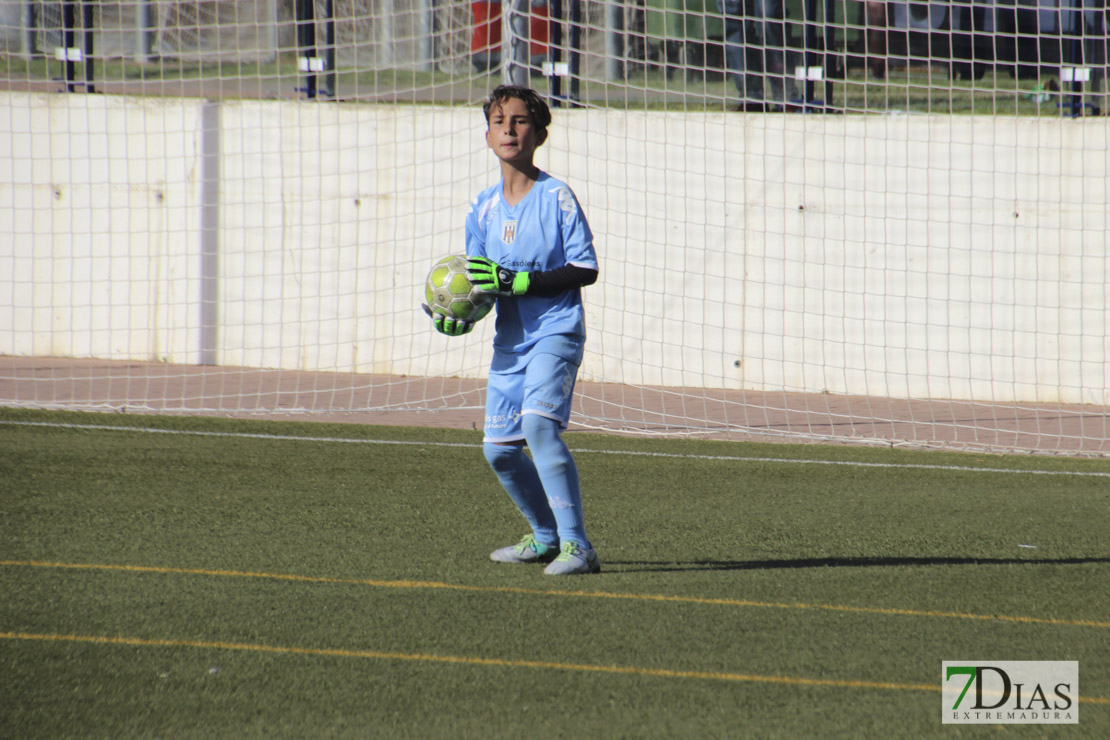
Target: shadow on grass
x=647, y=566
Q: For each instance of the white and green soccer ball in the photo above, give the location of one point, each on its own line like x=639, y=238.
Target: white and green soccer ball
x=449, y=291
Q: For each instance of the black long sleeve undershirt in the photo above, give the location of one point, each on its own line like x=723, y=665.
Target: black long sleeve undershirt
x=567, y=277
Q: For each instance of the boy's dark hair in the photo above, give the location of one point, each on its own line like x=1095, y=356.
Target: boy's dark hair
x=537, y=106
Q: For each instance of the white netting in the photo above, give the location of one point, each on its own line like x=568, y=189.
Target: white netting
x=244, y=30
x=890, y=224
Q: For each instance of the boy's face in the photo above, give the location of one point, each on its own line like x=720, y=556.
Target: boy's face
x=511, y=135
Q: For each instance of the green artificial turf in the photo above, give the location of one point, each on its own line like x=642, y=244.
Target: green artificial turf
x=279, y=579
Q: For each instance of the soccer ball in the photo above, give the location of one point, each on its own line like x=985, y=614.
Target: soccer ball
x=449, y=291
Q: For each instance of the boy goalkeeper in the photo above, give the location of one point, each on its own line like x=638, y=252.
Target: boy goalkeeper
x=529, y=244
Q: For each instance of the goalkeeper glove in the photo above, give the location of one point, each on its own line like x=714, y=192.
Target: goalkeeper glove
x=448, y=325
x=490, y=278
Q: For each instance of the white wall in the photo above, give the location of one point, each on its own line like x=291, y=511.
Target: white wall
x=98, y=227
x=912, y=256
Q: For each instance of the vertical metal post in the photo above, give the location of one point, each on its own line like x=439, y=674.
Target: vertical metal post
x=272, y=27
x=575, y=48
x=306, y=45
x=1072, y=52
x=830, y=45
x=425, y=52
x=515, y=43
x=87, y=34
x=809, y=32
x=329, y=48
x=144, y=31
x=69, y=44
x=574, y=35
x=29, y=38
x=555, y=50
x=614, y=40
x=385, y=36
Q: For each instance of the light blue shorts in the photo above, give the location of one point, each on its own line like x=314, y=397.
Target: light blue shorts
x=545, y=386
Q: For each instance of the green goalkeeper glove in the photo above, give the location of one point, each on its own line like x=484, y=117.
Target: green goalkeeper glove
x=489, y=277
x=448, y=325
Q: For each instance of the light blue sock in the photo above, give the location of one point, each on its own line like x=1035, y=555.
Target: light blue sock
x=519, y=478
x=559, y=475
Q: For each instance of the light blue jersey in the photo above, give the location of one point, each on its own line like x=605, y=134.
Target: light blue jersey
x=545, y=231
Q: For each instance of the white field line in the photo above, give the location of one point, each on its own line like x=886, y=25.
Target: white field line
x=719, y=458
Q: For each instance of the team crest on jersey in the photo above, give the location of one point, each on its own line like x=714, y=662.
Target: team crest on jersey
x=508, y=232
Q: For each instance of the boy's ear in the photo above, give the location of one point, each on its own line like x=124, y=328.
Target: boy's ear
x=541, y=137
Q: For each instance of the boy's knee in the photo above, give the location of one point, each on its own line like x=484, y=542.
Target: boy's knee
x=538, y=429
x=501, y=456
x=545, y=439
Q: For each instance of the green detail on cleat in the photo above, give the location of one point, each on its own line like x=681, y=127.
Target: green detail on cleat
x=528, y=550
x=573, y=560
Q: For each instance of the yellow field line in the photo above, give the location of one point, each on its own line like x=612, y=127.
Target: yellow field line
x=490, y=662
x=468, y=660
x=406, y=584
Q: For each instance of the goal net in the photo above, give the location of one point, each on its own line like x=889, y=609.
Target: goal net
x=876, y=222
